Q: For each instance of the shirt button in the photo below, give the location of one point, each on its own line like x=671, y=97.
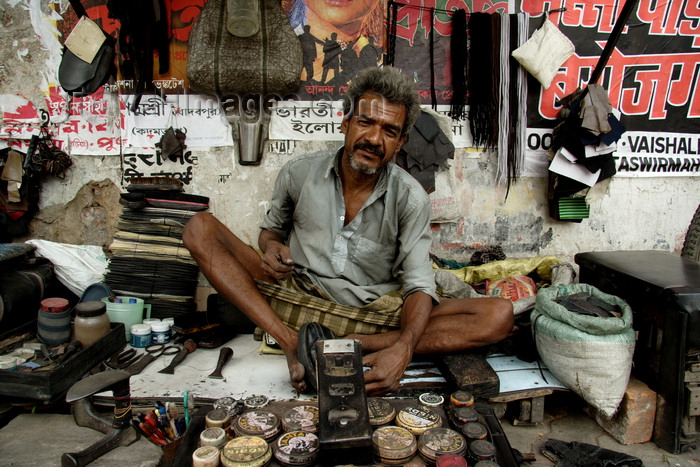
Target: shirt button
x=342, y=218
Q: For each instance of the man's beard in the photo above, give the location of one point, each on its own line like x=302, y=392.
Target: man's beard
x=376, y=150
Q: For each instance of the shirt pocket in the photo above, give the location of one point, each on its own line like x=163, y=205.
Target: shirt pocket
x=373, y=262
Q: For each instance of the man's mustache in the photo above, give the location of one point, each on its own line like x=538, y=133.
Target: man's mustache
x=367, y=146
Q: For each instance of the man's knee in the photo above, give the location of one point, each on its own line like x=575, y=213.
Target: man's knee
x=195, y=230
x=502, y=318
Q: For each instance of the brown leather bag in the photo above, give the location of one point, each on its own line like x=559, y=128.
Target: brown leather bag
x=268, y=62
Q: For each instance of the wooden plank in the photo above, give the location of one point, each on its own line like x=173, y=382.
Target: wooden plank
x=471, y=372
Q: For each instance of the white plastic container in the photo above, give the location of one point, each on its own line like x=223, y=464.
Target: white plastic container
x=160, y=332
x=140, y=335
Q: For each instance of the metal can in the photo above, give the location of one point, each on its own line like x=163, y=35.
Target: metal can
x=263, y=424
x=481, y=450
x=393, y=445
x=439, y=441
x=219, y=418
x=381, y=412
x=461, y=399
x=205, y=456
x=215, y=436
x=465, y=414
x=418, y=419
x=301, y=418
x=430, y=399
x=246, y=451
x=296, y=448
x=474, y=430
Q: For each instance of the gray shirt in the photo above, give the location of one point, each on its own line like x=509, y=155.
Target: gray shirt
x=385, y=247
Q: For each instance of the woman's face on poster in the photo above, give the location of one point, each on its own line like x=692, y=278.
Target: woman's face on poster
x=340, y=12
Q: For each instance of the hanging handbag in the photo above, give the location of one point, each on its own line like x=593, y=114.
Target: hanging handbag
x=78, y=76
x=218, y=62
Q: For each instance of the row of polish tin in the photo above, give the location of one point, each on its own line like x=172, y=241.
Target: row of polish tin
x=256, y=437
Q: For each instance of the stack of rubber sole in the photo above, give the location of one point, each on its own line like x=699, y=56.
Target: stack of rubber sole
x=149, y=259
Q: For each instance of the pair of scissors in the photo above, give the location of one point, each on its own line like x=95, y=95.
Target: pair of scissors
x=122, y=360
x=153, y=351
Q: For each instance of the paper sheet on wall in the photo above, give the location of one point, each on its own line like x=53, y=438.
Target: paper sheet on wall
x=202, y=120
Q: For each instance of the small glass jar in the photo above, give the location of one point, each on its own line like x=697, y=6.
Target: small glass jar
x=91, y=322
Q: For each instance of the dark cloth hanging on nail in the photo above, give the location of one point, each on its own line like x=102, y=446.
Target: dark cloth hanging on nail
x=483, y=79
x=458, y=47
x=426, y=150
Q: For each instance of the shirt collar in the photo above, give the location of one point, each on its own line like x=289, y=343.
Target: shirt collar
x=382, y=181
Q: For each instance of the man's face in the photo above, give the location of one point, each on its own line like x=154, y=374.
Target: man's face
x=373, y=133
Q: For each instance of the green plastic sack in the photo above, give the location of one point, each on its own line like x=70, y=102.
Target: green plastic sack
x=591, y=355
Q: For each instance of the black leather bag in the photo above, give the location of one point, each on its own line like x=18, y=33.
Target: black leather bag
x=77, y=76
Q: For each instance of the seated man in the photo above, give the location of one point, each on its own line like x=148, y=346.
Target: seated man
x=346, y=243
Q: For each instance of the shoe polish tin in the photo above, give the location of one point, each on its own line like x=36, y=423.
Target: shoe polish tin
x=206, y=456
x=260, y=423
x=430, y=399
x=381, y=412
x=215, y=436
x=439, y=441
x=474, y=430
x=296, y=448
x=246, y=451
x=461, y=399
x=217, y=417
x=301, y=418
x=465, y=414
x=393, y=445
x=481, y=450
x=418, y=419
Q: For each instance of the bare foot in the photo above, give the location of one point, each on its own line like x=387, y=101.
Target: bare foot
x=296, y=372
x=296, y=369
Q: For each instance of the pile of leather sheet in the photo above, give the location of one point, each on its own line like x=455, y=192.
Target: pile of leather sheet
x=149, y=259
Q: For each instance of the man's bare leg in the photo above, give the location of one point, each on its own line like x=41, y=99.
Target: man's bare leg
x=455, y=325
x=231, y=266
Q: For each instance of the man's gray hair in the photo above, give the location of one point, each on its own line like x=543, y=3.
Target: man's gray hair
x=389, y=83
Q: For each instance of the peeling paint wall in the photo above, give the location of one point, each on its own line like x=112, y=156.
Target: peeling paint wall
x=626, y=213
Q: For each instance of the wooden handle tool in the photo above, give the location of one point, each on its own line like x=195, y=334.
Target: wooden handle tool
x=225, y=355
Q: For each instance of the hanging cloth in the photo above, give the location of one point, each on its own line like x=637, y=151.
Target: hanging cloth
x=482, y=81
x=458, y=48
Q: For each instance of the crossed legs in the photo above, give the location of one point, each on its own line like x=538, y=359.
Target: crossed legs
x=231, y=266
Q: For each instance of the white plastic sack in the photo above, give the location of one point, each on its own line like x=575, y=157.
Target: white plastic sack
x=76, y=266
x=591, y=355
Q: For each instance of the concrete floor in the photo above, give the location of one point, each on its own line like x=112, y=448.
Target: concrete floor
x=566, y=420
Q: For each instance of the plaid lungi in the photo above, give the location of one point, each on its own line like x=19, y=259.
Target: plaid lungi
x=297, y=301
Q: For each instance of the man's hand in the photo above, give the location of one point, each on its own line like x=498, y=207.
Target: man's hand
x=386, y=368
x=277, y=260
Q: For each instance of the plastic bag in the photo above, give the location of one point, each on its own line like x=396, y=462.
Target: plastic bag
x=543, y=53
x=76, y=266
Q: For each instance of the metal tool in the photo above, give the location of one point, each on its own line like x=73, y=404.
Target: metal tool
x=118, y=431
x=225, y=355
x=344, y=429
x=153, y=351
x=121, y=360
x=187, y=347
